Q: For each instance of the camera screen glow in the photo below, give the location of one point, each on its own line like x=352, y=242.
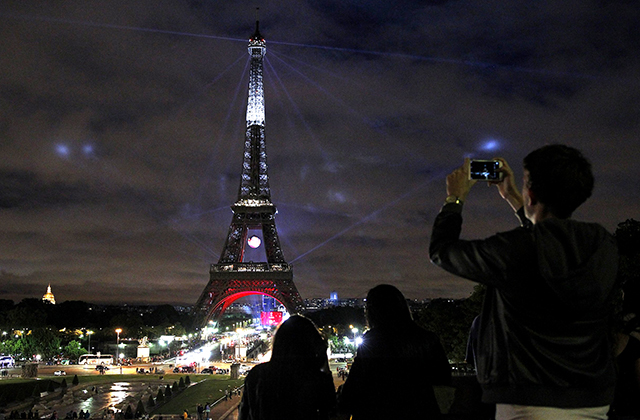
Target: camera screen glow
x=484, y=170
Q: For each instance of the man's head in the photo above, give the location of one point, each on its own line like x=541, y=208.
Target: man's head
x=386, y=306
x=559, y=177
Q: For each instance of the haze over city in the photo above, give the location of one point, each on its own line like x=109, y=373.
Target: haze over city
x=122, y=130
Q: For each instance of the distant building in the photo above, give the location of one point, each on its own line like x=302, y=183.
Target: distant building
x=48, y=297
x=316, y=304
x=333, y=296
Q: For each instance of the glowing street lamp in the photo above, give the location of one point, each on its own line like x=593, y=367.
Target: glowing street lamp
x=89, y=332
x=118, y=331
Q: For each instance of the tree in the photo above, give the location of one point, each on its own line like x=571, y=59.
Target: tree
x=340, y=318
x=162, y=315
x=451, y=321
x=74, y=350
x=176, y=329
x=150, y=402
x=26, y=315
x=73, y=314
x=160, y=396
x=5, y=306
x=445, y=318
x=140, y=411
x=13, y=346
x=42, y=341
x=131, y=325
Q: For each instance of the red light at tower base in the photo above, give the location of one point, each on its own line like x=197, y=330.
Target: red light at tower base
x=270, y=318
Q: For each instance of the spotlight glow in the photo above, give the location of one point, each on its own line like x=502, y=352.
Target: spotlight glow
x=490, y=145
x=62, y=149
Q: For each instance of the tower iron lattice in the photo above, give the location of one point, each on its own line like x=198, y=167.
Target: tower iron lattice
x=252, y=261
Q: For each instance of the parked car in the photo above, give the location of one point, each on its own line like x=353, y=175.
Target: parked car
x=184, y=369
x=59, y=373
x=207, y=371
x=244, y=369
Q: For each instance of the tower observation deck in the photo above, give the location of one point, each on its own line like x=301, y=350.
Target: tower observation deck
x=252, y=261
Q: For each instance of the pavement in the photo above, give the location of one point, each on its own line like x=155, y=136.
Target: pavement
x=228, y=410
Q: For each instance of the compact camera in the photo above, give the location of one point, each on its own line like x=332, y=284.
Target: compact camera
x=485, y=170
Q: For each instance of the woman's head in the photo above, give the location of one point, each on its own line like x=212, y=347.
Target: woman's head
x=386, y=306
x=298, y=340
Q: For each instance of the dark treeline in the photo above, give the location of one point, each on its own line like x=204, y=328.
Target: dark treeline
x=135, y=321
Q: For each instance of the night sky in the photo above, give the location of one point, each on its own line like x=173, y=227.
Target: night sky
x=122, y=130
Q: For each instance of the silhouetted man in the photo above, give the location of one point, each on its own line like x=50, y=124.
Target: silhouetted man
x=395, y=352
x=543, y=347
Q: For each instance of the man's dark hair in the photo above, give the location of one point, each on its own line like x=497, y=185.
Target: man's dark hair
x=560, y=177
x=386, y=306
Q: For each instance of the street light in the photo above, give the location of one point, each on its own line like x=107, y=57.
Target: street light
x=118, y=331
x=89, y=332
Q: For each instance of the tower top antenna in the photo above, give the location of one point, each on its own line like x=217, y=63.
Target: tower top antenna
x=256, y=35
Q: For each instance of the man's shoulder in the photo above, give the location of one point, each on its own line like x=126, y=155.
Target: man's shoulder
x=509, y=241
x=570, y=231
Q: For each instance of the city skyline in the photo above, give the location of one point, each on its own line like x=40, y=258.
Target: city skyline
x=122, y=132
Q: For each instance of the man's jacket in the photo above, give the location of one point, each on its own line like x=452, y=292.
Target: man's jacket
x=543, y=335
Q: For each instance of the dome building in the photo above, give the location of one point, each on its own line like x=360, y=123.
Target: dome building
x=48, y=297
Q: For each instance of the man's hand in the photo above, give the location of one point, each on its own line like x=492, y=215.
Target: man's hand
x=458, y=182
x=507, y=186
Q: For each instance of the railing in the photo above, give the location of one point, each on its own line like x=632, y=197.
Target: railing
x=251, y=267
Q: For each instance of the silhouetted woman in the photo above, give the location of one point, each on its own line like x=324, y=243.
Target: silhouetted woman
x=296, y=383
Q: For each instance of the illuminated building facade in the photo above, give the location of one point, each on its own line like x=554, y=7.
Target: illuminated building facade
x=48, y=297
x=252, y=261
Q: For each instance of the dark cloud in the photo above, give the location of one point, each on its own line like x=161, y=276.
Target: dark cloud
x=25, y=191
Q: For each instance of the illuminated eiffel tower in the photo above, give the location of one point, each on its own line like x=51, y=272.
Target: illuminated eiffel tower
x=252, y=261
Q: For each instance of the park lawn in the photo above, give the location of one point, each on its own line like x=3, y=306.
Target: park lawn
x=205, y=388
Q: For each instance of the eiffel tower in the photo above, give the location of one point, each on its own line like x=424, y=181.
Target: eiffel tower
x=252, y=261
